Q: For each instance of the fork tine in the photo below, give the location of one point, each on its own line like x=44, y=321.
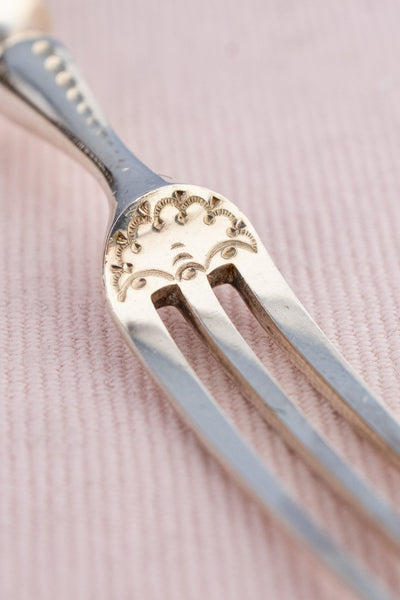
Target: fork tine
x=202, y=308
x=148, y=335
x=281, y=314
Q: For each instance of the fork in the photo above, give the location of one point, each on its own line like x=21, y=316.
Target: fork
x=170, y=244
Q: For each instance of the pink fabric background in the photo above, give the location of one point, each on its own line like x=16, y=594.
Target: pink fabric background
x=292, y=110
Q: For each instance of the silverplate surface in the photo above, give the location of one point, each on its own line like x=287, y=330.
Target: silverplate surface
x=170, y=244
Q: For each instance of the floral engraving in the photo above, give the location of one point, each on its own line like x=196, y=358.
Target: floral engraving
x=146, y=233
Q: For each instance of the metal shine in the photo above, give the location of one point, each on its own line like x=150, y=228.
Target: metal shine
x=170, y=244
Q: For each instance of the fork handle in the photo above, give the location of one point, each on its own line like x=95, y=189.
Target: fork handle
x=42, y=89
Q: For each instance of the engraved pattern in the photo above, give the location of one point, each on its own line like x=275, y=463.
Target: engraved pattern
x=147, y=223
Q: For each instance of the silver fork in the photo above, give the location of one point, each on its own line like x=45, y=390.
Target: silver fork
x=170, y=244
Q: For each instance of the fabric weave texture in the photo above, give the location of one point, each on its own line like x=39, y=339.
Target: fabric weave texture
x=292, y=110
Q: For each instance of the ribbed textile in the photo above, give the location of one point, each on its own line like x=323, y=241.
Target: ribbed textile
x=292, y=110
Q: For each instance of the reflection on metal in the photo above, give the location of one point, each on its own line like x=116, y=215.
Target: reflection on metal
x=149, y=246
x=169, y=244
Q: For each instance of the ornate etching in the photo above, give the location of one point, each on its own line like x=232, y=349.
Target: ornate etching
x=147, y=230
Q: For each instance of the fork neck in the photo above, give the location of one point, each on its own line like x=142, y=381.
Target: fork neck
x=41, y=88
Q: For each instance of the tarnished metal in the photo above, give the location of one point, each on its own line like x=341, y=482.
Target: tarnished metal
x=170, y=244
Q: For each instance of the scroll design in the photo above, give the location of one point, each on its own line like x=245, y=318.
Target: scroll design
x=124, y=275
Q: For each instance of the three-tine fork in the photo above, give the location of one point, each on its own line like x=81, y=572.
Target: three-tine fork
x=170, y=244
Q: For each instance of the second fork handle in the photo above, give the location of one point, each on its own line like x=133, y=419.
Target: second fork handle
x=42, y=89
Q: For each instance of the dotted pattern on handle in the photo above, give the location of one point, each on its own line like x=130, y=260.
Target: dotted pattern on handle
x=64, y=78
x=43, y=76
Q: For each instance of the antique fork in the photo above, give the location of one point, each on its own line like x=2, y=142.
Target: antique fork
x=169, y=244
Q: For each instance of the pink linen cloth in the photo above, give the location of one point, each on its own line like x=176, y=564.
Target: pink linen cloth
x=292, y=110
